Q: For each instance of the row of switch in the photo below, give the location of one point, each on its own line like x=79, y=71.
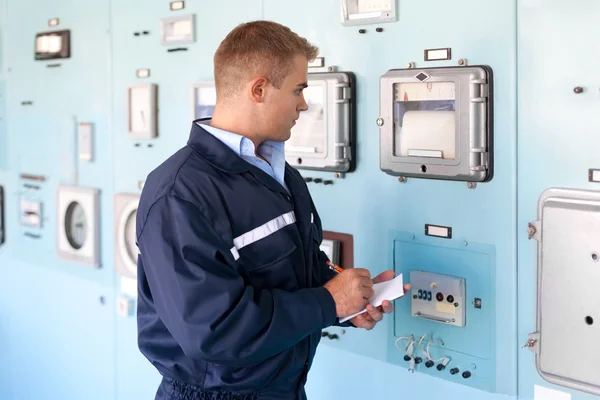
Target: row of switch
x=440, y=367
x=426, y=295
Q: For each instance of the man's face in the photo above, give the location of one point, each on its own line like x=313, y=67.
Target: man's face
x=282, y=106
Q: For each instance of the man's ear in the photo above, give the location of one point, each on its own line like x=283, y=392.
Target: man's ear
x=258, y=88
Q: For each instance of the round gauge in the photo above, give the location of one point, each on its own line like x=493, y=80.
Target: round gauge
x=129, y=238
x=76, y=225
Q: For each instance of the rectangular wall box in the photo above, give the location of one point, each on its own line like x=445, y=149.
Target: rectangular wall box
x=436, y=123
x=324, y=135
x=568, y=228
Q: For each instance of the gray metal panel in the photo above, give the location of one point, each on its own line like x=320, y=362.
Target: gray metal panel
x=433, y=309
x=339, y=122
x=568, y=315
x=473, y=161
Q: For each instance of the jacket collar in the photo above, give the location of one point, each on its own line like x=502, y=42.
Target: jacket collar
x=215, y=152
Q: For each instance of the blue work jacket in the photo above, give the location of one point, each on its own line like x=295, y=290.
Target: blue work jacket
x=231, y=301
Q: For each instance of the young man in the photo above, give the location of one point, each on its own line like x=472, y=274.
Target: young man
x=233, y=289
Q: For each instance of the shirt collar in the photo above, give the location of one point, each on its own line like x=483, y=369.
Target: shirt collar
x=215, y=152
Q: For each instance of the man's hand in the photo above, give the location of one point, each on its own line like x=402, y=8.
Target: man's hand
x=369, y=319
x=351, y=291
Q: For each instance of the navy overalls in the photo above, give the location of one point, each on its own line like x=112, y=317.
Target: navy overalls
x=231, y=301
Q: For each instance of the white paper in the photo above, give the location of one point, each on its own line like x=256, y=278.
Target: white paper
x=544, y=393
x=389, y=290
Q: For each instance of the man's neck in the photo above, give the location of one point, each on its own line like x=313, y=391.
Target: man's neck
x=236, y=121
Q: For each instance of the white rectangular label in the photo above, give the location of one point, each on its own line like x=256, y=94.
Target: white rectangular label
x=441, y=54
x=437, y=231
x=596, y=176
x=177, y=5
x=318, y=62
x=425, y=153
x=544, y=393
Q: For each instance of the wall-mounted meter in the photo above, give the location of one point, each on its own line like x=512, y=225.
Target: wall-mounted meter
x=437, y=123
x=142, y=111
x=53, y=45
x=78, y=225
x=177, y=30
x=203, y=100
x=357, y=12
x=126, y=252
x=323, y=137
x=438, y=298
x=2, y=233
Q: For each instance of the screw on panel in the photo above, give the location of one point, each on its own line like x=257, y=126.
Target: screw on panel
x=102, y=300
x=471, y=185
x=402, y=179
x=462, y=62
x=531, y=231
x=329, y=69
x=410, y=65
x=578, y=90
x=465, y=243
x=379, y=121
x=413, y=237
x=477, y=303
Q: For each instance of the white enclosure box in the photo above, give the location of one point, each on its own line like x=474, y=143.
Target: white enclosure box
x=324, y=135
x=78, y=225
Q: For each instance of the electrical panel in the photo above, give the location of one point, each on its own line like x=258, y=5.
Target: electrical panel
x=78, y=225
x=2, y=232
x=438, y=298
x=568, y=270
x=142, y=111
x=126, y=253
x=357, y=12
x=437, y=123
x=203, y=100
x=323, y=137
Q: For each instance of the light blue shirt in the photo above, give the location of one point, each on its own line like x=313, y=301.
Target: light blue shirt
x=272, y=151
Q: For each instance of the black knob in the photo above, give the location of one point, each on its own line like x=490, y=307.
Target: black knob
x=466, y=374
x=450, y=298
x=318, y=180
x=334, y=336
x=418, y=360
x=407, y=358
x=429, y=364
x=578, y=89
x=439, y=296
x=327, y=183
x=308, y=180
x=441, y=367
x=454, y=371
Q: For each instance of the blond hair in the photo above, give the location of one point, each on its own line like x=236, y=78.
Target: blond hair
x=257, y=48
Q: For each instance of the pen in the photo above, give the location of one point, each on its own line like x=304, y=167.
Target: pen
x=334, y=267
